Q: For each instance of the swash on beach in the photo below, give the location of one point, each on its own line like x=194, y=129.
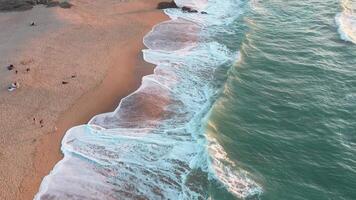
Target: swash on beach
x=249, y=99
x=254, y=100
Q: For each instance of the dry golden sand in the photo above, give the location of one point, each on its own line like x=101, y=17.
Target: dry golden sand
x=100, y=43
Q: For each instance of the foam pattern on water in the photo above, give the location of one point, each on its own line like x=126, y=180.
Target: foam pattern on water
x=218, y=13
x=153, y=146
x=346, y=21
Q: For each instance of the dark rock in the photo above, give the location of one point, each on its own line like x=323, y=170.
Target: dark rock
x=10, y=67
x=204, y=13
x=65, y=5
x=21, y=5
x=15, y=5
x=189, y=10
x=164, y=5
x=186, y=9
x=30, y=2
x=51, y=4
x=43, y=1
x=65, y=82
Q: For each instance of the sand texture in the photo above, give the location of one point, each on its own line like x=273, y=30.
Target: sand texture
x=74, y=63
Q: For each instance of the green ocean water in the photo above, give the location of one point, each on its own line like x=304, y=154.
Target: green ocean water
x=277, y=124
x=287, y=113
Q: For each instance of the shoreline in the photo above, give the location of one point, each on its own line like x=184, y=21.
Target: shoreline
x=107, y=102
x=123, y=159
x=122, y=76
x=48, y=151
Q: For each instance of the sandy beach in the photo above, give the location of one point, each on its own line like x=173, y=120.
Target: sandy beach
x=74, y=63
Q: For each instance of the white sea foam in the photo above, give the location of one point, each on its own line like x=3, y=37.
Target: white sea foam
x=154, y=146
x=346, y=21
x=218, y=13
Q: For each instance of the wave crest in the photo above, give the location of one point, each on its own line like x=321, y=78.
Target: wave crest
x=346, y=21
x=154, y=146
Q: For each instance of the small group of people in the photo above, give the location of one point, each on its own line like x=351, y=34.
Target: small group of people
x=41, y=122
x=14, y=85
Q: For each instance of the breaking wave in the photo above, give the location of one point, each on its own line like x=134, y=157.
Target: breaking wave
x=346, y=21
x=154, y=146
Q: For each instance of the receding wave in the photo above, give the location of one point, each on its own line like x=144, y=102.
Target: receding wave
x=154, y=146
x=346, y=21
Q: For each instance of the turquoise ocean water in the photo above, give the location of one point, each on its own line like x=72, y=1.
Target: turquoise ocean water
x=253, y=100
x=287, y=113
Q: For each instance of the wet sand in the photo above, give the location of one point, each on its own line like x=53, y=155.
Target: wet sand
x=95, y=47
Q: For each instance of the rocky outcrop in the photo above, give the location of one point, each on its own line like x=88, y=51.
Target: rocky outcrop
x=20, y=5
x=164, y=5
x=63, y=4
x=172, y=4
x=188, y=9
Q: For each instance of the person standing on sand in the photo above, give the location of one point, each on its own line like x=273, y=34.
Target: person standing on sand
x=13, y=86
